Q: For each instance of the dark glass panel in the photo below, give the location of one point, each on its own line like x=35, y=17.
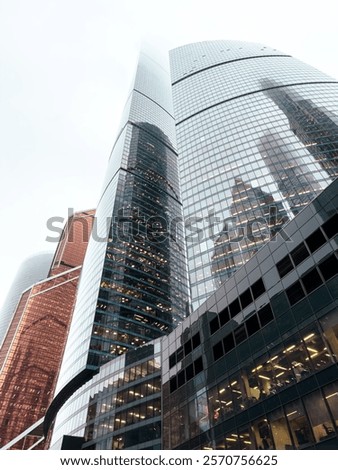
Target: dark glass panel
x=228, y=343
x=299, y=254
x=311, y=280
x=329, y=267
x=330, y=227
x=265, y=315
x=315, y=240
x=214, y=325
x=246, y=298
x=196, y=340
x=240, y=334
x=284, y=266
x=234, y=308
x=218, y=350
x=252, y=325
x=257, y=288
x=295, y=293
x=224, y=316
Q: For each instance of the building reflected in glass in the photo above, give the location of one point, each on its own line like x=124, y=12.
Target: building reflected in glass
x=292, y=175
x=230, y=97
x=315, y=126
x=255, y=218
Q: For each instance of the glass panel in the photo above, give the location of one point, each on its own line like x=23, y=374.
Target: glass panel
x=330, y=326
x=322, y=425
x=299, y=425
x=317, y=349
x=331, y=397
x=232, y=441
x=280, y=430
x=246, y=439
x=179, y=427
x=263, y=434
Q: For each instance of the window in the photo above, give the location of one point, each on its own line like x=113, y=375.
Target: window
x=315, y=240
x=329, y=267
x=331, y=398
x=311, y=280
x=224, y=316
x=198, y=365
x=196, y=340
x=299, y=254
x=321, y=423
x=180, y=378
x=179, y=354
x=214, y=325
x=257, y=288
x=228, y=343
x=252, y=325
x=189, y=372
x=295, y=293
x=280, y=431
x=173, y=384
x=284, y=266
x=240, y=334
x=330, y=227
x=329, y=324
x=246, y=298
x=316, y=348
x=172, y=360
x=263, y=434
x=234, y=308
x=299, y=425
x=187, y=347
x=218, y=350
x=265, y=315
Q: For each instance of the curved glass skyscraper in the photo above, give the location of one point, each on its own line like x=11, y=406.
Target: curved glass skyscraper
x=257, y=138
x=134, y=282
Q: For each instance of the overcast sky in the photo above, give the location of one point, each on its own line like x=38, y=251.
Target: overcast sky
x=65, y=71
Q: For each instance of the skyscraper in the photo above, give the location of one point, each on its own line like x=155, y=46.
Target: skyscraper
x=31, y=354
x=134, y=282
x=227, y=96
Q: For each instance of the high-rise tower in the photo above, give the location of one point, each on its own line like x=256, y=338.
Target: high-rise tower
x=227, y=96
x=31, y=353
x=134, y=282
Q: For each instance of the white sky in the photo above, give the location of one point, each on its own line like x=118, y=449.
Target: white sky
x=65, y=71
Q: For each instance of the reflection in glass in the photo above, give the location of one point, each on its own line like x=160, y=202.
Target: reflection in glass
x=316, y=127
x=255, y=217
x=292, y=175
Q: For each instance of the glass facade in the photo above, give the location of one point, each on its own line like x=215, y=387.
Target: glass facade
x=268, y=377
x=255, y=365
x=32, y=350
x=122, y=404
x=33, y=269
x=257, y=139
x=134, y=283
